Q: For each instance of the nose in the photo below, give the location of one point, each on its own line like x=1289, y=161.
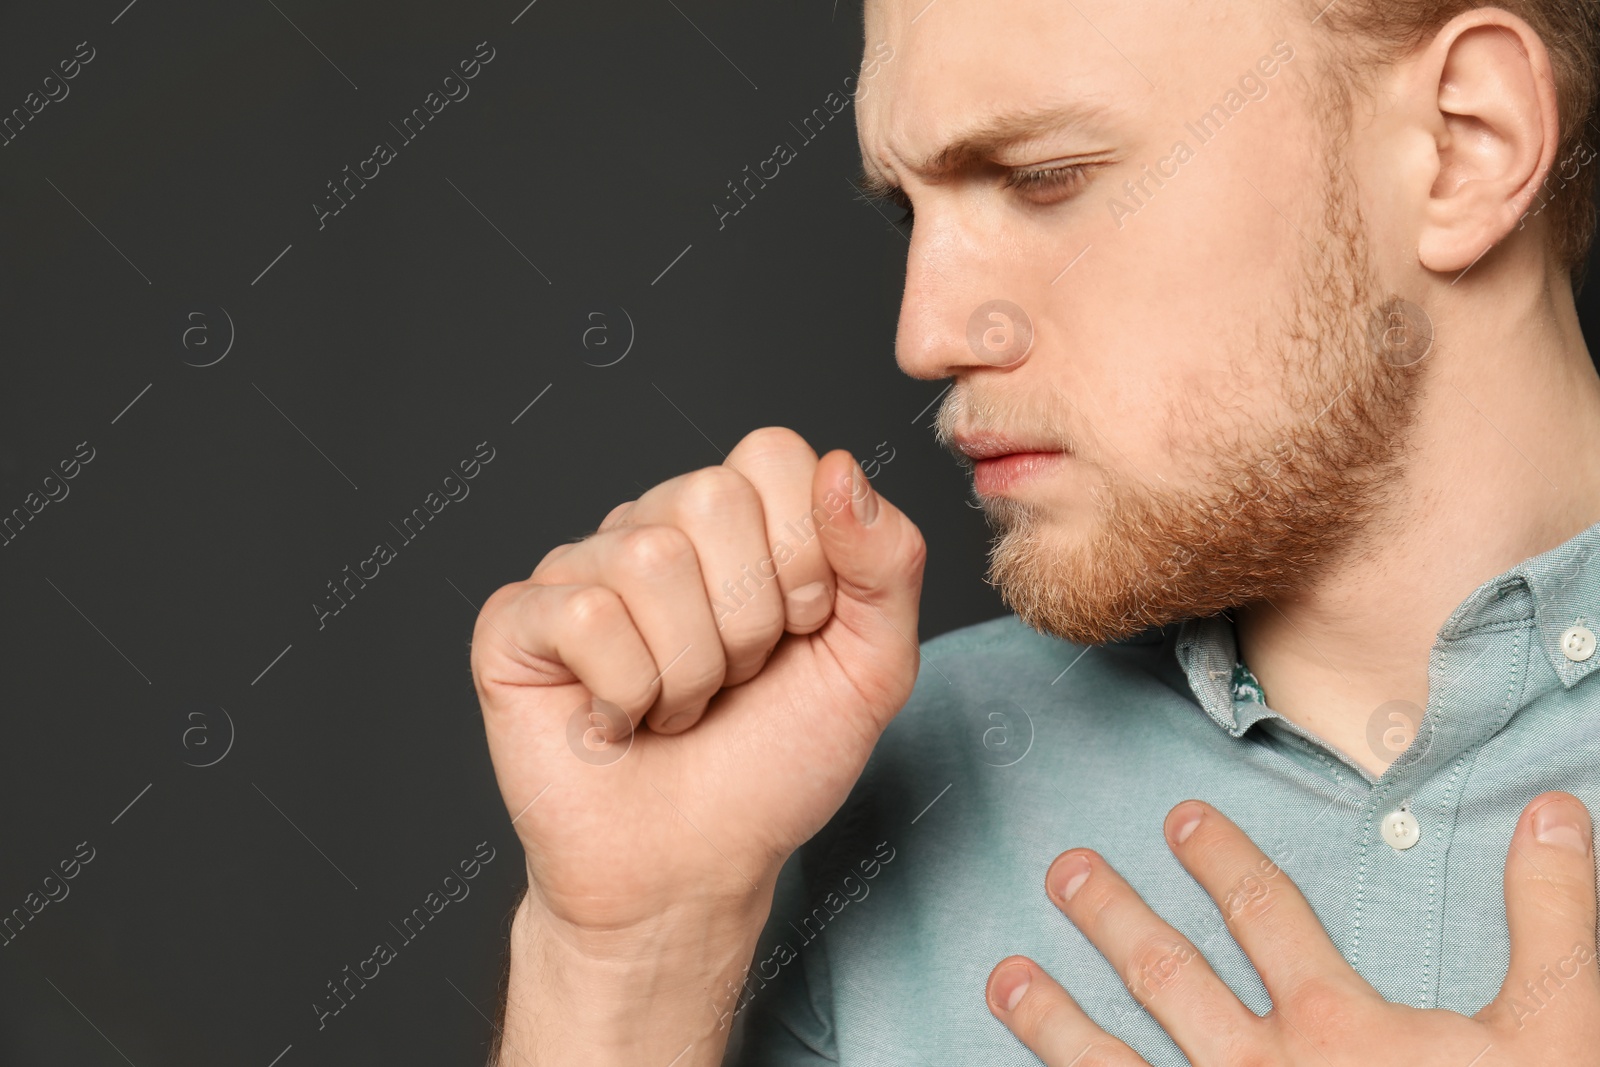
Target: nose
x=954, y=314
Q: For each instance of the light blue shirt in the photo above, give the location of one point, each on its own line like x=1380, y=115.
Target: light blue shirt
x=1016, y=746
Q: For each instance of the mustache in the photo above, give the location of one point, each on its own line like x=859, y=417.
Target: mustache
x=1032, y=418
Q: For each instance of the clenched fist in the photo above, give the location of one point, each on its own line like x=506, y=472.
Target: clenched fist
x=677, y=702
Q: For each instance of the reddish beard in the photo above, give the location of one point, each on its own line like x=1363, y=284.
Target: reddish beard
x=1278, y=502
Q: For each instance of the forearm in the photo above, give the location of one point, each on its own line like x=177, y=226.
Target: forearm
x=665, y=995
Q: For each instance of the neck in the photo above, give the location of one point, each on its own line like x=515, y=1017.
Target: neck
x=1502, y=466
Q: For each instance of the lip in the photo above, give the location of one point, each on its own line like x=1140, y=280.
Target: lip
x=982, y=446
x=994, y=476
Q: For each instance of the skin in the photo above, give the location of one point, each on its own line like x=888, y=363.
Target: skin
x=659, y=769
x=1323, y=1012
x=1200, y=341
x=1164, y=419
x=662, y=753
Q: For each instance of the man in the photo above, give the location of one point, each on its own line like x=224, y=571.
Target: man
x=1260, y=324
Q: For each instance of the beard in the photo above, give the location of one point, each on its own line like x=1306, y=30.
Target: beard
x=1280, y=500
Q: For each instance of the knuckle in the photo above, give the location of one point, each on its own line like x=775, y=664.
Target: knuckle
x=705, y=676
x=692, y=689
x=713, y=493
x=1323, y=1009
x=751, y=633
x=696, y=672
x=1314, y=995
x=500, y=601
x=753, y=610
x=774, y=439
x=638, y=692
x=1566, y=896
x=1253, y=897
x=1568, y=883
x=649, y=551
x=499, y=606
x=916, y=553
x=592, y=608
x=1254, y=905
x=542, y=569
x=1156, y=963
x=615, y=516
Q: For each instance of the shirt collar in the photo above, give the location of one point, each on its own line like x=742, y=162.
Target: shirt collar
x=1565, y=585
x=1558, y=590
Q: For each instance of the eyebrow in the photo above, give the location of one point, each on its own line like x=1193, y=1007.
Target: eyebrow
x=986, y=138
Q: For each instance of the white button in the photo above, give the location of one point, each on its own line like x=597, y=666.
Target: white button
x=1400, y=829
x=1577, y=644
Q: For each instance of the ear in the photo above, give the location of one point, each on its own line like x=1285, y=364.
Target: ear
x=1495, y=128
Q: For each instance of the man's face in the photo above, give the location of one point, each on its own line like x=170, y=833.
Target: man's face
x=1211, y=338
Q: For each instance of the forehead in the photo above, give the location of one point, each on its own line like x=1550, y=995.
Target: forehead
x=953, y=66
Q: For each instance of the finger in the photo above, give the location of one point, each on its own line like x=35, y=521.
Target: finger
x=720, y=512
x=617, y=515
x=655, y=572
x=1164, y=972
x=1046, y=1019
x=1550, y=912
x=553, y=555
x=559, y=634
x=1263, y=909
x=877, y=555
x=780, y=464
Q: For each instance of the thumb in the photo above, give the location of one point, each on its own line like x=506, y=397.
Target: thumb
x=1550, y=912
x=877, y=554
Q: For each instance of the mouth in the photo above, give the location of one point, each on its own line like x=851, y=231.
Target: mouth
x=1000, y=463
x=982, y=446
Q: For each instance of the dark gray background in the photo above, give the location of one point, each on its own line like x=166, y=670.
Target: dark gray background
x=377, y=352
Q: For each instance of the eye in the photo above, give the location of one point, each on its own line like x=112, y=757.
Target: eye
x=1049, y=185
x=907, y=216
x=893, y=197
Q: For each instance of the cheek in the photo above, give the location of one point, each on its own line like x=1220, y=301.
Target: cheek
x=1169, y=325
x=1142, y=343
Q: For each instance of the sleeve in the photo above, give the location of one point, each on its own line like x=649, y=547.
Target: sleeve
x=785, y=1012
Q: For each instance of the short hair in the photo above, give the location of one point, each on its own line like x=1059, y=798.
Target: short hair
x=1372, y=33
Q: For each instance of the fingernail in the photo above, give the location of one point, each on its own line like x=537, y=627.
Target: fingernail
x=1561, y=823
x=678, y=722
x=1070, y=874
x=1185, y=827
x=803, y=603
x=1009, y=987
x=863, y=501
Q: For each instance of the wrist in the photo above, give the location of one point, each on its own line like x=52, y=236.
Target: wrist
x=689, y=927
x=641, y=993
